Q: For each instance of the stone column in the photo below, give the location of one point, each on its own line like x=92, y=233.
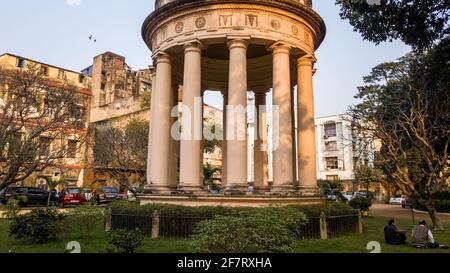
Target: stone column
x=306, y=132
x=224, y=141
x=283, y=181
x=174, y=143
x=236, y=119
x=190, y=151
x=261, y=159
x=152, y=106
x=160, y=127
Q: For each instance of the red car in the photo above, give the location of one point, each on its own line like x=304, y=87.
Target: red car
x=71, y=196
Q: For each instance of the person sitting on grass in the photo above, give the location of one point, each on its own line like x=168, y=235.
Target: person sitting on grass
x=422, y=237
x=394, y=235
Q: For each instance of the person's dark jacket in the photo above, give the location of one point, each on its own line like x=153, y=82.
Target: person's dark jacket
x=391, y=236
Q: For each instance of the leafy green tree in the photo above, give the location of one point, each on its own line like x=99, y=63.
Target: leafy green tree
x=367, y=175
x=418, y=23
x=210, y=174
x=52, y=184
x=406, y=106
x=211, y=142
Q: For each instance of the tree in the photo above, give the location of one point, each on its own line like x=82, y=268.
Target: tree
x=405, y=105
x=367, y=175
x=418, y=23
x=210, y=174
x=332, y=187
x=36, y=117
x=211, y=142
x=52, y=184
x=122, y=152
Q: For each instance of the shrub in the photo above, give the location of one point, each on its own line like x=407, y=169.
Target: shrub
x=272, y=229
x=330, y=208
x=84, y=219
x=362, y=203
x=39, y=225
x=12, y=208
x=125, y=241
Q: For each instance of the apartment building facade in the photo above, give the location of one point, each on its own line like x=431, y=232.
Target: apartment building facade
x=70, y=168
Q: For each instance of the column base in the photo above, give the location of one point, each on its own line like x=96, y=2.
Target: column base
x=284, y=190
x=236, y=190
x=308, y=191
x=190, y=189
x=163, y=190
x=261, y=190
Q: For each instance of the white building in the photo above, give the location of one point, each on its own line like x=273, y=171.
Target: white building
x=338, y=152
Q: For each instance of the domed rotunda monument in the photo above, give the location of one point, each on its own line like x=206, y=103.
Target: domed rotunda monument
x=234, y=46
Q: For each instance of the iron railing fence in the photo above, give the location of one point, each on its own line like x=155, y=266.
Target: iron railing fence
x=182, y=227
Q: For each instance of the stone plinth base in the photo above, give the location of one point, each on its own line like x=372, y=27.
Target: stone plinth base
x=230, y=201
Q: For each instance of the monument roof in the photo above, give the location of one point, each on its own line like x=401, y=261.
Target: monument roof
x=160, y=3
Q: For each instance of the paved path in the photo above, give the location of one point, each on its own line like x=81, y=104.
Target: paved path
x=396, y=211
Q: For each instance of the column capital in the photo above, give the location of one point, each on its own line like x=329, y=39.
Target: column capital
x=237, y=43
x=306, y=60
x=261, y=90
x=193, y=46
x=280, y=47
x=161, y=57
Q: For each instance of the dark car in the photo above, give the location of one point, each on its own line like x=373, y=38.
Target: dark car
x=71, y=197
x=105, y=195
x=408, y=202
x=27, y=196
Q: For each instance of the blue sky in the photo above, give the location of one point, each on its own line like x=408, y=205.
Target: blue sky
x=54, y=32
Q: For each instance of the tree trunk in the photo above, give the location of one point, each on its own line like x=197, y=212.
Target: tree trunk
x=431, y=209
x=437, y=224
x=48, y=199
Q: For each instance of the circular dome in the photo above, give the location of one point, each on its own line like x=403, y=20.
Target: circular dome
x=212, y=23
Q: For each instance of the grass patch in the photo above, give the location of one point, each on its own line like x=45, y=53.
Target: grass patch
x=373, y=231
x=96, y=244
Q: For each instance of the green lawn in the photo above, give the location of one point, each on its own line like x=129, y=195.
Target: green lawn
x=373, y=231
x=94, y=245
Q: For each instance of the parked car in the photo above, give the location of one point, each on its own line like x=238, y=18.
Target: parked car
x=408, y=202
x=348, y=195
x=27, y=196
x=332, y=197
x=71, y=196
x=87, y=194
x=105, y=195
x=396, y=200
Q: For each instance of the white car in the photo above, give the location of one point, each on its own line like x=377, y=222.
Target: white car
x=348, y=195
x=396, y=200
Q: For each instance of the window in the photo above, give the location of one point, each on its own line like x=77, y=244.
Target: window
x=61, y=75
x=332, y=177
x=72, y=149
x=103, y=86
x=21, y=63
x=330, y=129
x=331, y=146
x=43, y=71
x=332, y=163
x=14, y=144
x=44, y=146
x=81, y=78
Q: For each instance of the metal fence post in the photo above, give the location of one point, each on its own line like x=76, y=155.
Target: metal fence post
x=108, y=217
x=360, y=223
x=155, y=225
x=323, y=226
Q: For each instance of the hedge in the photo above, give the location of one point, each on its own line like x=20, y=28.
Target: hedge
x=329, y=208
